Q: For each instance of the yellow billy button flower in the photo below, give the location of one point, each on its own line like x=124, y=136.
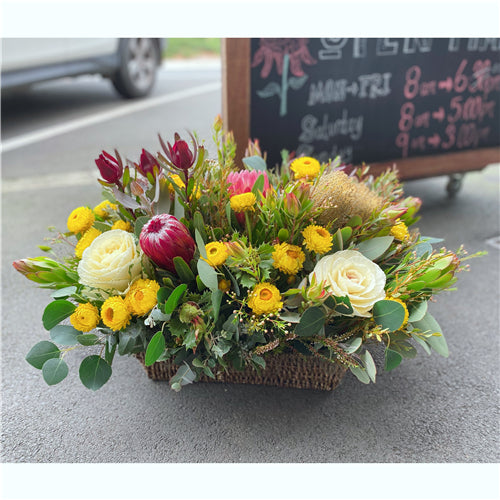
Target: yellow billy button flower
x=85, y=317
x=123, y=225
x=399, y=301
x=288, y=258
x=84, y=242
x=115, y=313
x=317, y=239
x=80, y=219
x=141, y=296
x=243, y=202
x=305, y=168
x=104, y=208
x=265, y=299
x=400, y=231
x=216, y=253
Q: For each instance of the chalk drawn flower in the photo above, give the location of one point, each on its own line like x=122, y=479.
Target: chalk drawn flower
x=273, y=50
x=289, y=54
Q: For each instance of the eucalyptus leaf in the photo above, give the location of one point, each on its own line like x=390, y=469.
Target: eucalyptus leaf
x=94, y=372
x=54, y=371
x=360, y=374
x=429, y=325
x=353, y=345
x=41, y=352
x=200, y=243
x=208, y=275
x=417, y=311
x=371, y=369
x=87, y=339
x=183, y=376
x=63, y=293
x=422, y=343
x=216, y=302
x=392, y=359
x=376, y=247
x=64, y=335
x=388, y=314
x=311, y=322
x=55, y=312
x=423, y=249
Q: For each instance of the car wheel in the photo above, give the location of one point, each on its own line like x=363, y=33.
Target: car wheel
x=138, y=63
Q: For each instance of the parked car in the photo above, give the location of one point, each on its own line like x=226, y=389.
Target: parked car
x=130, y=63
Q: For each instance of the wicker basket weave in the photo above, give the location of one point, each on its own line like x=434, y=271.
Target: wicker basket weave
x=282, y=370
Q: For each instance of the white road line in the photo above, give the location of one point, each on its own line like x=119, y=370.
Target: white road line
x=49, y=132
x=50, y=181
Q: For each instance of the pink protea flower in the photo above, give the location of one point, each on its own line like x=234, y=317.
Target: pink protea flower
x=164, y=237
x=242, y=182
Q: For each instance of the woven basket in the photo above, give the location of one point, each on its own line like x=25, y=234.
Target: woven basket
x=282, y=370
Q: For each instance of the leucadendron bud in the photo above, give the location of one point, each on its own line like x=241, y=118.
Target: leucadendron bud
x=111, y=171
x=148, y=164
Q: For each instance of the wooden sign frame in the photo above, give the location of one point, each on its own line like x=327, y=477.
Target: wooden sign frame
x=236, y=116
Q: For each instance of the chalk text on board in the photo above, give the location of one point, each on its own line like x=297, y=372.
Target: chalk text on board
x=335, y=48
x=368, y=86
x=312, y=130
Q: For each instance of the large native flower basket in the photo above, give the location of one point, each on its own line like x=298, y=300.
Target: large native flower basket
x=214, y=270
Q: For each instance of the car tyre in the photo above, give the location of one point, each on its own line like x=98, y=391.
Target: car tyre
x=138, y=62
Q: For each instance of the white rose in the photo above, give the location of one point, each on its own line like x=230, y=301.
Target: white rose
x=350, y=273
x=111, y=262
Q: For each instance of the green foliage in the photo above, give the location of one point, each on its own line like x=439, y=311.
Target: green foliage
x=311, y=322
x=436, y=339
x=54, y=371
x=374, y=248
x=389, y=314
x=64, y=335
x=94, y=372
x=155, y=348
x=41, y=352
x=56, y=311
x=208, y=275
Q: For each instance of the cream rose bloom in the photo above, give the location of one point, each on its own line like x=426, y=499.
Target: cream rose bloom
x=111, y=262
x=350, y=273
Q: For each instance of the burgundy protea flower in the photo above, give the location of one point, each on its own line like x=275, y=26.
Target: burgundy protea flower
x=148, y=164
x=273, y=50
x=109, y=167
x=180, y=155
x=164, y=237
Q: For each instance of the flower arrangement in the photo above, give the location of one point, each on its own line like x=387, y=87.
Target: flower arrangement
x=216, y=265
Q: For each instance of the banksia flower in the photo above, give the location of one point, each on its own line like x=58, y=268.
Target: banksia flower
x=165, y=237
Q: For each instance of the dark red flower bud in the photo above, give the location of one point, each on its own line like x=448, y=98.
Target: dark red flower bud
x=148, y=164
x=111, y=171
x=181, y=155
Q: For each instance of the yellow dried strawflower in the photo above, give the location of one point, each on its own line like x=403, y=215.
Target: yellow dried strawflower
x=288, y=258
x=115, y=313
x=104, y=208
x=243, y=202
x=80, y=219
x=265, y=299
x=399, y=301
x=85, y=317
x=400, y=231
x=340, y=197
x=305, y=168
x=84, y=242
x=317, y=239
x=142, y=296
x=216, y=253
x=123, y=225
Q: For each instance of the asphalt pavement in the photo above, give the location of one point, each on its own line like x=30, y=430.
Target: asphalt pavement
x=429, y=409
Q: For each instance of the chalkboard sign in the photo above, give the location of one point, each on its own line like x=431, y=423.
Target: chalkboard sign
x=371, y=100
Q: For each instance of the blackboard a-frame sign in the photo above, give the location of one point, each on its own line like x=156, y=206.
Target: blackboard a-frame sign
x=431, y=106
